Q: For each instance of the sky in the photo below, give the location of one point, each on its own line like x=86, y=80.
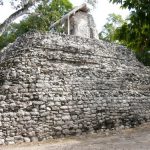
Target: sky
x=100, y=13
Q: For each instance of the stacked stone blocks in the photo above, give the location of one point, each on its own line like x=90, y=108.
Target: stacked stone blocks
x=55, y=85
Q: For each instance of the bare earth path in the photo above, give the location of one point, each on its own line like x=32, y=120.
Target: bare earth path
x=129, y=139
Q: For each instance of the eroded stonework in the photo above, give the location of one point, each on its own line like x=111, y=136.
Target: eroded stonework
x=82, y=24
x=55, y=85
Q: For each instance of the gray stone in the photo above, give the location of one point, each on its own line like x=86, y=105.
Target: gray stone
x=66, y=117
x=34, y=139
x=26, y=139
x=2, y=141
x=65, y=85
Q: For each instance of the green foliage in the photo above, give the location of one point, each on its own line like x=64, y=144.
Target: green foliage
x=6, y=39
x=136, y=32
x=108, y=31
x=45, y=14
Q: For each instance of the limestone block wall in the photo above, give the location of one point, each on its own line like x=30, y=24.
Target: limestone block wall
x=56, y=85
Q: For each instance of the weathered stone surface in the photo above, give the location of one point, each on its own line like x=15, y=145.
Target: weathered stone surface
x=56, y=85
x=82, y=24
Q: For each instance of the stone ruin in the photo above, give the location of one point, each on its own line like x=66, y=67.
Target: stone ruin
x=78, y=22
x=55, y=85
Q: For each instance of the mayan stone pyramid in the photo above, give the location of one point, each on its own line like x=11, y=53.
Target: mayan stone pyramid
x=53, y=85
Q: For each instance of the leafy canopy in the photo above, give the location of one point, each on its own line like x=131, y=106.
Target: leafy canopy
x=113, y=22
x=135, y=33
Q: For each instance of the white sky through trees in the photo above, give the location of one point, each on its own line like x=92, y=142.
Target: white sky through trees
x=100, y=13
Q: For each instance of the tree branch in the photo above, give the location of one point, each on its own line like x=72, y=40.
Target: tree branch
x=14, y=16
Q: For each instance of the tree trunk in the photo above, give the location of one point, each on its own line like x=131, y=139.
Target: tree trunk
x=15, y=15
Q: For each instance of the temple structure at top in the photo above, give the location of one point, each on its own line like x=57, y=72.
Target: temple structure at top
x=78, y=22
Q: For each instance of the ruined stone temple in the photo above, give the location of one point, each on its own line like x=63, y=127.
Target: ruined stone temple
x=53, y=85
x=79, y=22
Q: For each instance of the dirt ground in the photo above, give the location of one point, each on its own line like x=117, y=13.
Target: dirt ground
x=129, y=139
